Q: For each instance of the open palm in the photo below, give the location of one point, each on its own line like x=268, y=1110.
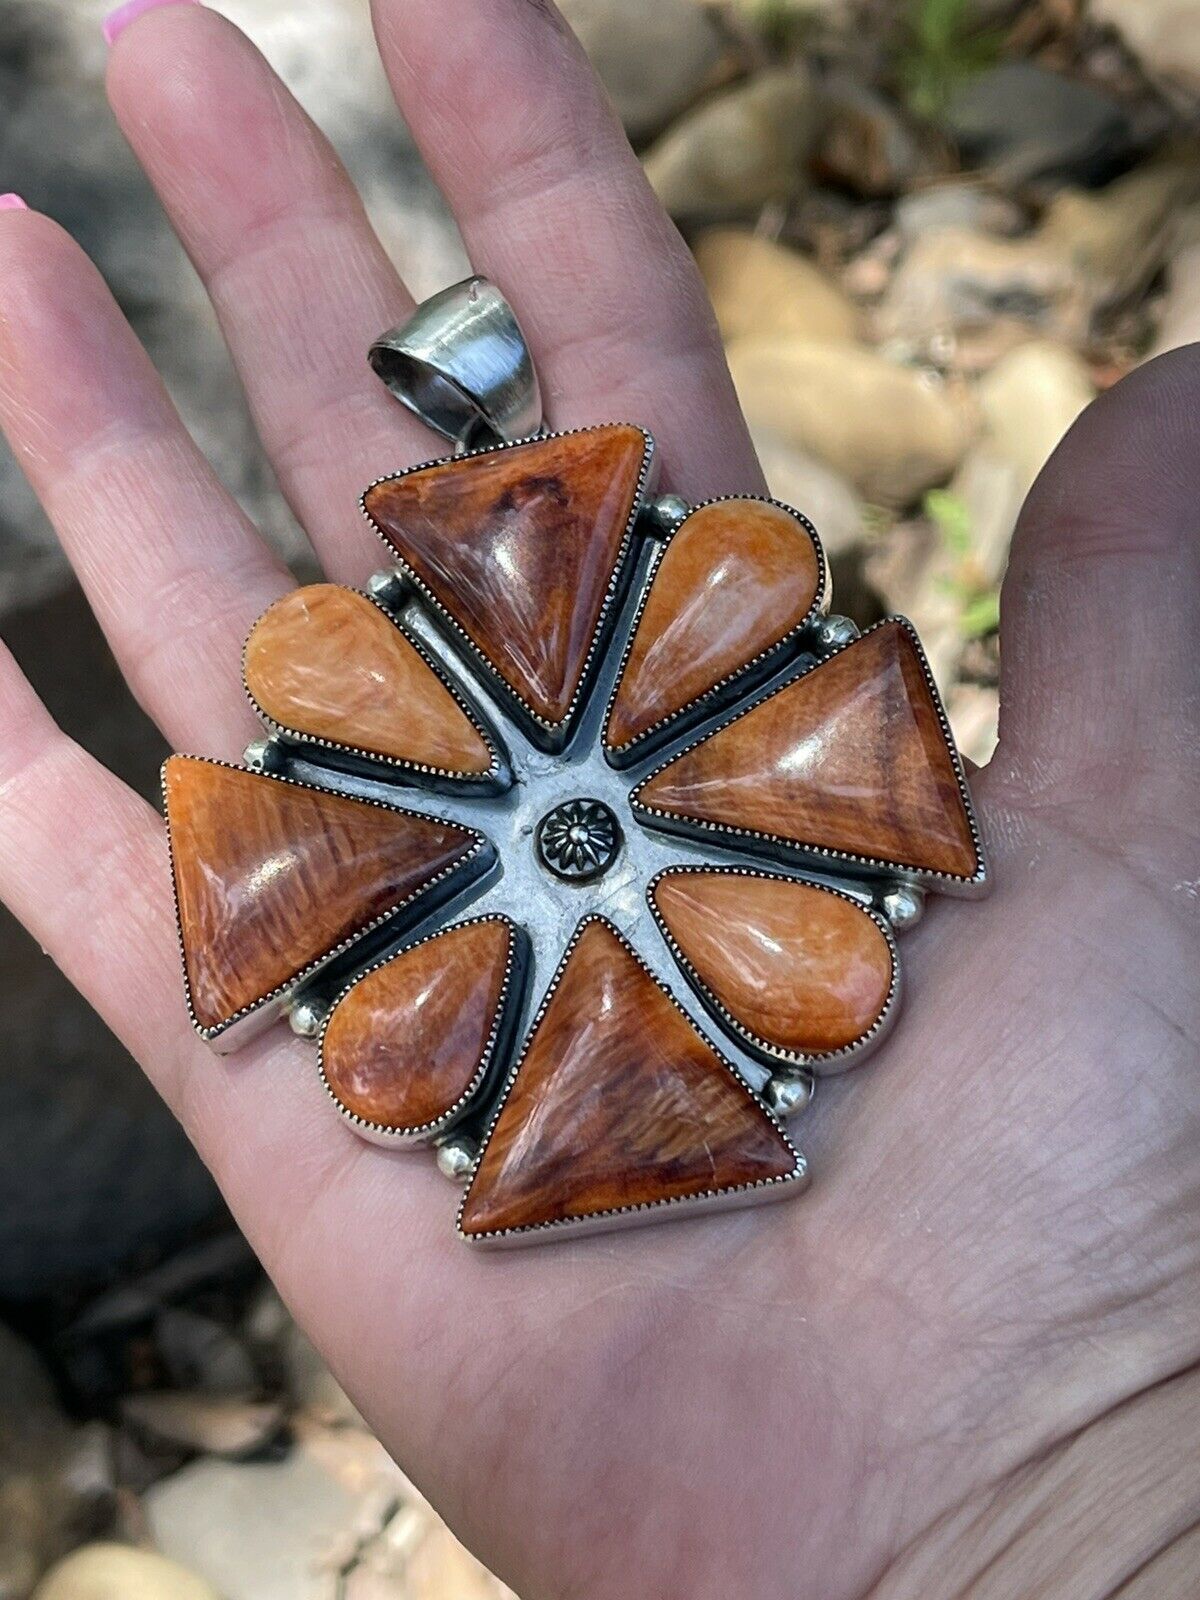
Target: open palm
x=965, y=1363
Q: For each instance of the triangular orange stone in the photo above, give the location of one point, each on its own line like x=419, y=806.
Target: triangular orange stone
x=851, y=758
x=736, y=577
x=271, y=876
x=327, y=662
x=519, y=547
x=618, y=1102
x=411, y=1038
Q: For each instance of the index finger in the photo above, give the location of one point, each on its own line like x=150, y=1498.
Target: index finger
x=553, y=205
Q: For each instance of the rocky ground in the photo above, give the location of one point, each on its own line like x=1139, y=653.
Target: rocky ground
x=933, y=230
x=177, y=1438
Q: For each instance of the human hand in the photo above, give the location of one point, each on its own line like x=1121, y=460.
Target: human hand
x=965, y=1362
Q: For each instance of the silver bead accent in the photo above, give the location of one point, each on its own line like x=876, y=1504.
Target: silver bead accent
x=903, y=905
x=786, y=1097
x=456, y=1156
x=387, y=587
x=834, y=632
x=261, y=756
x=665, y=512
x=305, y=1018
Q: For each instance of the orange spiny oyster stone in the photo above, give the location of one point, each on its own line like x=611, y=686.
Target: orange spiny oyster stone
x=325, y=661
x=736, y=577
x=800, y=969
x=519, y=547
x=271, y=876
x=618, y=1101
x=410, y=1038
x=851, y=757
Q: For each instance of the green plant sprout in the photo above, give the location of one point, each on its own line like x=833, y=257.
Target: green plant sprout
x=942, y=48
x=978, y=601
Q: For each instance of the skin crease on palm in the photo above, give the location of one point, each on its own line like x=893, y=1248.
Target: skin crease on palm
x=964, y=1364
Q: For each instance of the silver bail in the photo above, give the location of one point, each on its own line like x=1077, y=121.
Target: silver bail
x=462, y=364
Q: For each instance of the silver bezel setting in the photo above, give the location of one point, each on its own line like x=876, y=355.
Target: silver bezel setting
x=764, y=1189
x=498, y=1042
x=728, y=690
x=824, y=1063
x=547, y=735
x=790, y=851
x=268, y=1006
x=354, y=758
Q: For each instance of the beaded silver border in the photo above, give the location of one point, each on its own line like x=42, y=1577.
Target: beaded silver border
x=502, y=1025
x=742, y=679
x=789, y=850
x=824, y=1062
x=420, y=896
x=620, y=1216
x=419, y=772
x=549, y=736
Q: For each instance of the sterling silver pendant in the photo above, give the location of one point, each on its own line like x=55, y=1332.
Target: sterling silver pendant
x=662, y=819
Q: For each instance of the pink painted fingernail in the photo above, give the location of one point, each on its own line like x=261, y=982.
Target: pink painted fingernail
x=117, y=21
x=12, y=202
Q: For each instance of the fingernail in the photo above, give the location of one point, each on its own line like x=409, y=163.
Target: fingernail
x=117, y=21
x=12, y=202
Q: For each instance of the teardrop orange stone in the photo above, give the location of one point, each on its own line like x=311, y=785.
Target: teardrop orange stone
x=326, y=662
x=520, y=548
x=619, y=1101
x=736, y=577
x=851, y=757
x=410, y=1039
x=271, y=876
x=799, y=968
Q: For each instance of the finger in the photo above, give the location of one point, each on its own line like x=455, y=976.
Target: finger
x=298, y=279
x=553, y=205
x=172, y=568
x=1102, y=602
x=96, y=898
